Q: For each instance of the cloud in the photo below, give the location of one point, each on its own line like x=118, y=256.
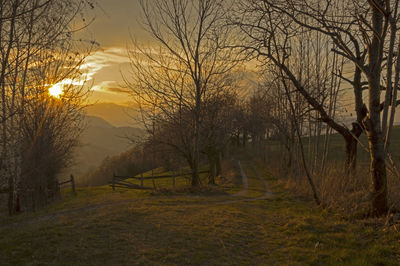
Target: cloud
x=110, y=86
x=109, y=55
x=103, y=58
x=117, y=89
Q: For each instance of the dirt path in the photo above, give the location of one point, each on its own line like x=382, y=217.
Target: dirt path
x=267, y=191
x=245, y=182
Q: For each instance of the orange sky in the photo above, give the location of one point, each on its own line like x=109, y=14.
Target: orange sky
x=115, y=22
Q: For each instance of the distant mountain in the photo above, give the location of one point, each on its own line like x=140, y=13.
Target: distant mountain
x=116, y=115
x=94, y=121
x=99, y=140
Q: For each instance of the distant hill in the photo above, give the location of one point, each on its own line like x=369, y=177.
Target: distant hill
x=94, y=121
x=116, y=115
x=99, y=140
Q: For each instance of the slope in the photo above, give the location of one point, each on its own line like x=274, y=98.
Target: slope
x=127, y=227
x=99, y=140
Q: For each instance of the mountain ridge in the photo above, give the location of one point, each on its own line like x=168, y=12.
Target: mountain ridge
x=115, y=114
x=99, y=140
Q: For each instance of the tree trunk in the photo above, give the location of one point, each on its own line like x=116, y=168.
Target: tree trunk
x=11, y=196
x=244, y=140
x=378, y=172
x=195, y=174
x=351, y=140
x=373, y=121
x=289, y=156
x=196, y=155
x=218, y=164
x=195, y=178
x=351, y=155
x=211, y=179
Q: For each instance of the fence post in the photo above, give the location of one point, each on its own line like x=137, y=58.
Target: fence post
x=113, y=182
x=73, y=184
x=141, y=179
x=152, y=177
x=58, y=190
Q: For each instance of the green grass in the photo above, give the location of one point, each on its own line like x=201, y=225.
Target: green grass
x=99, y=226
x=337, y=147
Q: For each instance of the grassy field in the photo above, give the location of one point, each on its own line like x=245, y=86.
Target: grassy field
x=213, y=226
x=337, y=147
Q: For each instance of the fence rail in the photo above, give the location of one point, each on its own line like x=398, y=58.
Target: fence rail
x=119, y=181
x=71, y=180
x=59, y=184
x=157, y=176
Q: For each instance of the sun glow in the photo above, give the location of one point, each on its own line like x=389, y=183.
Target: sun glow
x=56, y=90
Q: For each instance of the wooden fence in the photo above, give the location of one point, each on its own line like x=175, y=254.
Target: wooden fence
x=120, y=181
x=71, y=180
x=58, y=184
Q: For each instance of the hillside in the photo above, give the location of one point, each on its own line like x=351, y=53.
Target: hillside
x=260, y=225
x=99, y=140
x=337, y=146
x=116, y=115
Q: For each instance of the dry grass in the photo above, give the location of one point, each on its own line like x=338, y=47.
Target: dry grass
x=125, y=228
x=182, y=227
x=348, y=195
x=344, y=193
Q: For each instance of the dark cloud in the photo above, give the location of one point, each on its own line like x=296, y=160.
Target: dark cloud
x=117, y=89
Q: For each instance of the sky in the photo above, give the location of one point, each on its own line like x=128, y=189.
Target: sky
x=116, y=22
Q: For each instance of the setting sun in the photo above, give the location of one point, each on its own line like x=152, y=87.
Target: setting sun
x=56, y=90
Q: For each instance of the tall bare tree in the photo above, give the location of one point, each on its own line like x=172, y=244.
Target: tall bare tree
x=217, y=127
x=33, y=33
x=360, y=33
x=191, y=35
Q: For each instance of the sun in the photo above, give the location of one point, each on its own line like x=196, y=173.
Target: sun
x=56, y=90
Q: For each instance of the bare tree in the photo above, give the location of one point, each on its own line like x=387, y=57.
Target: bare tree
x=49, y=127
x=217, y=127
x=360, y=33
x=177, y=75
x=33, y=33
x=283, y=49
